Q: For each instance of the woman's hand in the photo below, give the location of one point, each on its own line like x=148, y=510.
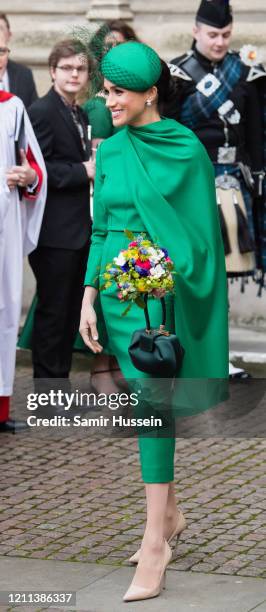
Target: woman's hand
x=159, y=293
x=21, y=176
x=88, y=321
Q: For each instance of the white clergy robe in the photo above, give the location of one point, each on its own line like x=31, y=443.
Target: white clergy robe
x=20, y=222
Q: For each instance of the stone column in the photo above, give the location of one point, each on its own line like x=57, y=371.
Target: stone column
x=103, y=10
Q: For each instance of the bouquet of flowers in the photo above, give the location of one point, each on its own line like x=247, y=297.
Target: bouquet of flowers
x=142, y=268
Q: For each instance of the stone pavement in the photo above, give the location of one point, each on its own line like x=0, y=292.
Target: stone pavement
x=100, y=588
x=79, y=498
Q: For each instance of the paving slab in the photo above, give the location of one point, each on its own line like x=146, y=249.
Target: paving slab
x=183, y=593
x=101, y=589
x=27, y=574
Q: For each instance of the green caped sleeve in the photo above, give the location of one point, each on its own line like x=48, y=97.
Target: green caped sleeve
x=99, y=118
x=99, y=228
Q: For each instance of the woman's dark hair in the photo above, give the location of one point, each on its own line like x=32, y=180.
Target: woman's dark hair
x=167, y=93
x=118, y=25
x=98, y=45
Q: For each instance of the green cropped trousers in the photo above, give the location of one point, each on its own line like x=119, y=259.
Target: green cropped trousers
x=157, y=459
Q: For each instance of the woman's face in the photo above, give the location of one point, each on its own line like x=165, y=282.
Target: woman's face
x=113, y=38
x=128, y=107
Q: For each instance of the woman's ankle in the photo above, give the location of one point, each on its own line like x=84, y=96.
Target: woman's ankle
x=153, y=542
x=171, y=514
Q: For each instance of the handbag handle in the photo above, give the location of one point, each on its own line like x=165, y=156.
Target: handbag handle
x=146, y=312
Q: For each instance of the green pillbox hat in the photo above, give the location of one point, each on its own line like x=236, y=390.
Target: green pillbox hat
x=132, y=65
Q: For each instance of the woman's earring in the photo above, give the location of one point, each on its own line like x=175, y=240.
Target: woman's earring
x=148, y=102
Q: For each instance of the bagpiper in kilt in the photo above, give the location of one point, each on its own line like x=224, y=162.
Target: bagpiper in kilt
x=220, y=97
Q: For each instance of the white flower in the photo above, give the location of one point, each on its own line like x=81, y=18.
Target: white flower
x=250, y=55
x=120, y=260
x=157, y=271
x=155, y=255
x=152, y=252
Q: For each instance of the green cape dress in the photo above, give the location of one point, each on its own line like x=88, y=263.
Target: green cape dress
x=158, y=179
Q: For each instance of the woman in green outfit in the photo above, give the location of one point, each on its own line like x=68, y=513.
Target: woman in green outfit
x=154, y=176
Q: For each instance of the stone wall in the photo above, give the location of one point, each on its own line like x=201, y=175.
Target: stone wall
x=166, y=25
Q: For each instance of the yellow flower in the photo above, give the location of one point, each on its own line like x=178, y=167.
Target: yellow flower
x=141, y=286
x=133, y=253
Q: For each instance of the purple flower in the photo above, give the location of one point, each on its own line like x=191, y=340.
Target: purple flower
x=165, y=252
x=142, y=271
x=125, y=267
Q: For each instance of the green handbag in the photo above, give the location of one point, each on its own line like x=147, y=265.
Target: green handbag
x=156, y=351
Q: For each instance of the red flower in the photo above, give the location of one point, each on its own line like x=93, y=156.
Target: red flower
x=133, y=244
x=145, y=265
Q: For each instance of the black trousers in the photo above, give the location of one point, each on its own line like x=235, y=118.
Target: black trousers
x=59, y=275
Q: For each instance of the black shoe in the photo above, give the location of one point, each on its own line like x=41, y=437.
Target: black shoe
x=240, y=375
x=12, y=426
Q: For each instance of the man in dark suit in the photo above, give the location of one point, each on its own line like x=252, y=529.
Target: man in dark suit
x=59, y=261
x=14, y=77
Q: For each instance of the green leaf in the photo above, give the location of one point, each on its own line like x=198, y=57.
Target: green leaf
x=129, y=234
x=124, y=313
x=140, y=302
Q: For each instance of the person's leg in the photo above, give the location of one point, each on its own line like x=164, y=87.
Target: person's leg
x=157, y=467
x=157, y=462
x=172, y=512
x=59, y=275
x=155, y=553
x=156, y=458
x=153, y=539
x=105, y=374
x=78, y=266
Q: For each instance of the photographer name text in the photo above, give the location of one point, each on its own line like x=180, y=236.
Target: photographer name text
x=101, y=421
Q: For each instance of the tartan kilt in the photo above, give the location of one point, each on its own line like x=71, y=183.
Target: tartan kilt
x=233, y=170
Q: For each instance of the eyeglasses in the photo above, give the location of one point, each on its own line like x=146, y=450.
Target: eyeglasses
x=68, y=69
x=4, y=51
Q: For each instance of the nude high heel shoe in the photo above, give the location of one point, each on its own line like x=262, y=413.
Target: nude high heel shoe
x=137, y=592
x=180, y=526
